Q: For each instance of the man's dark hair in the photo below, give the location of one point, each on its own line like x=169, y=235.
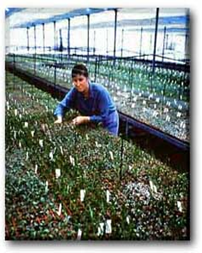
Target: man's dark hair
x=79, y=69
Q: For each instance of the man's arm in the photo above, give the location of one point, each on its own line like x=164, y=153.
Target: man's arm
x=67, y=103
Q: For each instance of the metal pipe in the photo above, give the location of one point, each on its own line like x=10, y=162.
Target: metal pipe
x=186, y=45
x=35, y=38
x=107, y=43
x=35, y=49
x=61, y=44
x=141, y=42
x=155, y=40
x=94, y=42
x=164, y=39
x=115, y=32
x=122, y=36
x=27, y=39
x=68, y=37
x=54, y=32
x=43, y=27
x=88, y=35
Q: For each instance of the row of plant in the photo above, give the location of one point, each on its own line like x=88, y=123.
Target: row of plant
x=126, y=74
x=66, y=182
x=171, y=116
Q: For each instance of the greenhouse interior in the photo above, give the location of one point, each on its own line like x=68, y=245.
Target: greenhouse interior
x=80, y=182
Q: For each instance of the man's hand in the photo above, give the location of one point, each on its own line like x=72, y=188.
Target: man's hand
x=80, y=120
x=59, y=120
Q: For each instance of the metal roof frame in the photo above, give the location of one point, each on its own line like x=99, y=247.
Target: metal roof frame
x=68, y=15
x=11, y=11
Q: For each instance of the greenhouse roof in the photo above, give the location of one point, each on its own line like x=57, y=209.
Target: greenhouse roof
x=176, y=20
x=10, y=11
x=65, y=15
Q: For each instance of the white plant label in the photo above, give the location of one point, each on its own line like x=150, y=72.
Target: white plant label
x=179, y=205
x=72, y=160
x=46, y=188
x=16, y=112
x=167, y=118
x=108, y=196
x=57, y=173
x=36, y=169
x=82, y=195
x=101, y=229
x=59, y=210
x=165, y=110
x=155, y=113
x=111, y=155
x=153, y=187
x=79, y=234
x=108, y=226
x=61, y=150
x=26, y=124
x=41, y=143
x=128, y=219
x=32, y=133
x=51, y=155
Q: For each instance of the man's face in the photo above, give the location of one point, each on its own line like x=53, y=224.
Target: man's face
x=80, y=82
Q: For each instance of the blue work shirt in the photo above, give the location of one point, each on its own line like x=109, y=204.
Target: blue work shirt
x=99, y=106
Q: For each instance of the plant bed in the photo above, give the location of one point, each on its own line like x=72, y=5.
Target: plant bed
x=66, y=182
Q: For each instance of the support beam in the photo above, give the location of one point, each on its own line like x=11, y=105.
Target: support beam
x=35, y=49
x=107, y=43
x=68, y=37
x=122, y=38
x=186, y=46
x=35, y=38
x=164, y=40
x=43, y=27
x=115, y=32
x=94, y=42
x=55, y=36
x=155, y=42
x=28, y=39
x=61, y=43
x=88, y=35
x=141, y=31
